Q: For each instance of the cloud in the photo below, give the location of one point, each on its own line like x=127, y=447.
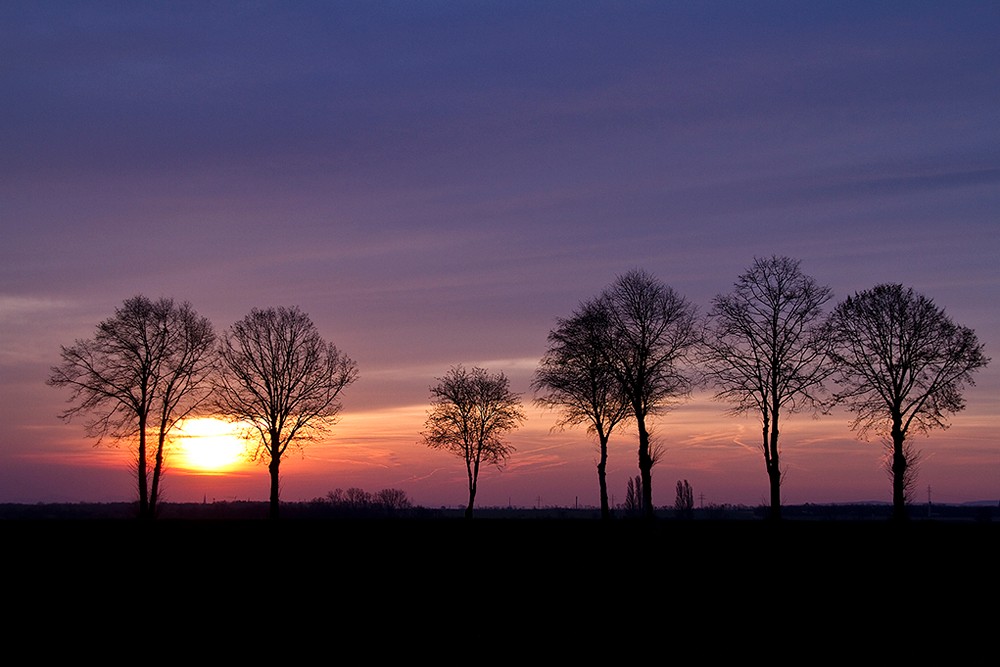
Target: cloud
x=14, y=307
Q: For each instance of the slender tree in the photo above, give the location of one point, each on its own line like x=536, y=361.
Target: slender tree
x=144, y=370
x=633, y=496
x=280, y=378
x=901, y=364
x=574, y=377
x=470, y=413
x=684, y=502
x=651, y=334
x=763, y=351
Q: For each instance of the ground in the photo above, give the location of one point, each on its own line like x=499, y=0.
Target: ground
x=435, y=585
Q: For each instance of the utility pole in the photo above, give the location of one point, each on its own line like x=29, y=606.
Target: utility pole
x=701, y=500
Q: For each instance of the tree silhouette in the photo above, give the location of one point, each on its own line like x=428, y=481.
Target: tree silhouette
x=763, y=350
x=358, y=502
x=279, y=378
x=901, y=365
x=684, y=502
x=143, y=371
x=470, y=413
x=633, y=496
x=650, y=334
x=576, y=378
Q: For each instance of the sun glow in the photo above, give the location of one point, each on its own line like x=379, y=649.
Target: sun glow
x=209, y=445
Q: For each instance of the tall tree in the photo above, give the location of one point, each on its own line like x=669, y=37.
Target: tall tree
x=282, y=380
x=901, y=364
x=651, y=333
x=684, y=502
x=763, y=351
x=143, y=371
x=470, y=413
x=633, y=496
x=575, y=378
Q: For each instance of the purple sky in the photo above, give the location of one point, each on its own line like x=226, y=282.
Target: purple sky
x=435, y=183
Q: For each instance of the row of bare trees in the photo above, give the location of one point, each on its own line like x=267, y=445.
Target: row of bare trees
x=625, y=356
x=888, y=354
x=155, y=363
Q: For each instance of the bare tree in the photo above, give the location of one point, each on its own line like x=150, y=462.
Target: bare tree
x=651, y=333
x=393, y=500
x=143, y=371
x=358, y=502
x=470, y=413
x=684, y=502
x=633, y=496
x=901, y=365
x=576, y=379
x=763, y=351
x=279, y=378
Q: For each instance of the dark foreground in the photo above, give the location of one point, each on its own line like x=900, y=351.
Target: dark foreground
x=491, y=589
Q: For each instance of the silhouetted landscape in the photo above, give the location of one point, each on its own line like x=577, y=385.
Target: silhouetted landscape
x=749, y=247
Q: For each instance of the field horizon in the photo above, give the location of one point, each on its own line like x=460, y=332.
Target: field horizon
x=979, y=512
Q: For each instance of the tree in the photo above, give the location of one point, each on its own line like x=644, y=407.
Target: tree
x=763, y=351
x=633, y=496
x=143, y=371
x=358, y=502
x=650, y=334
x=576, y=379
x=470, y=413
x=684, y=502
x=280, y=378
x=901, y=365
x=392, y=500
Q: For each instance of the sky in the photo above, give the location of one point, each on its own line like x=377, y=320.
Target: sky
x=435, y=183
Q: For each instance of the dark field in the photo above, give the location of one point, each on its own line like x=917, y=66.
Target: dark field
x=497, y=588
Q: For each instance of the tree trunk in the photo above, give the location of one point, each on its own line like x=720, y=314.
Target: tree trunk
x=773, y=467
x=472, y=494
x=472, y=502
x=603, y=480
x=899, y=512
x=154, y=490
x=141, y=470
x=273, y=469
x=774, y=481
x=646, y=470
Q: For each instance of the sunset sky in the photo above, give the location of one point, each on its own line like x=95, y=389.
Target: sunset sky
x=435, y=183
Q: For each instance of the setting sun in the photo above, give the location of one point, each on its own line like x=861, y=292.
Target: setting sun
x=209, y=445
